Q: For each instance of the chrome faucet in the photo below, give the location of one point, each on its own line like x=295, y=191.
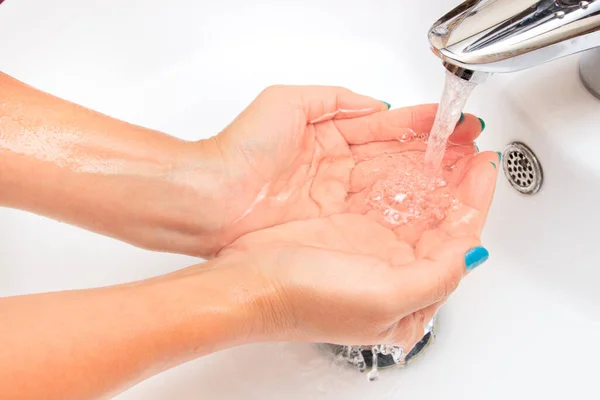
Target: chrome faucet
x=481, y=37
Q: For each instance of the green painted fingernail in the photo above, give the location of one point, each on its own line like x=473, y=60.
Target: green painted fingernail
x=476, y=148
x=482, y=124
x=462, y=118
x=475, y=257
x=499, y=155
x=494, y=164
x=387, y=104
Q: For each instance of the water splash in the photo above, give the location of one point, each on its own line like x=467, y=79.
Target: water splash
x=373, y=375
x=455, y=95
x=405, y=194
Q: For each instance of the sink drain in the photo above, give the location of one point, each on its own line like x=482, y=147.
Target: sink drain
x=522, y=168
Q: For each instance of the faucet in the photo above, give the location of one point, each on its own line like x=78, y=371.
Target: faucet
x=482, y=37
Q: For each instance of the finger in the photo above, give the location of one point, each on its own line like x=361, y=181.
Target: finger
x=393, y=124
x=367, y=151
x=476, y=190
x=476, y=180
x=433, y=276
x=324, y=103
x=411, y=329
x=474, y=193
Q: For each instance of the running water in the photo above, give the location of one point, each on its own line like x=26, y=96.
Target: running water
x=455, y=95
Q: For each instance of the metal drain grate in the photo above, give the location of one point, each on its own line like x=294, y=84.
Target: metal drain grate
x=522, y=168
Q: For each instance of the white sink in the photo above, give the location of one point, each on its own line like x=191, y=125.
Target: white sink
x=525, y=325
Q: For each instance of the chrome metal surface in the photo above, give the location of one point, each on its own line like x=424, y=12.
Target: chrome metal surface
x=467, y=74
x=589, y=69
x=489, y=36
x=522, y=168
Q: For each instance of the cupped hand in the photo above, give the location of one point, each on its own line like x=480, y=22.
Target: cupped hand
x=291, y=154
x=348, y=278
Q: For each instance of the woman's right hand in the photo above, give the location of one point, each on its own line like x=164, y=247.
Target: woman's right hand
x=347, y=279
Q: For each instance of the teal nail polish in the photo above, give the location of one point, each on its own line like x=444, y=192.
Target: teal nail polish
x=499, y=156
x=475, y=257
x=462, y=118
x=494, y=164
x=387, y=104
x=476, y=148
x=482, y=124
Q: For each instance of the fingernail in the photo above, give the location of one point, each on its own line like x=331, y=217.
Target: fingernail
x=499, y=156
x=494, y=164
x=387, y=104
x=462, y=118
x=475, y=257
x=482, y=124
x=476, y=148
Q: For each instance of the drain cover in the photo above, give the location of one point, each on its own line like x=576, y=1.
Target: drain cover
x=522, y=168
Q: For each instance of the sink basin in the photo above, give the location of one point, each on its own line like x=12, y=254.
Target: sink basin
x=525, y=325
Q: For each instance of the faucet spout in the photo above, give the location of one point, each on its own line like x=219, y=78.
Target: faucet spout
x=466, y=73
x=481, y=37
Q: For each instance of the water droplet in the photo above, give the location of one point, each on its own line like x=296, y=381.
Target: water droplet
x=373, y=375
x=440, y=30
x=407, y=137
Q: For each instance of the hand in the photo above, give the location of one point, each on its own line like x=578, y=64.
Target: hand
x=349, y=279
x=290, y=155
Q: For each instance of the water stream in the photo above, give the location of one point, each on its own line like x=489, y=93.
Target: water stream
x=455, y=96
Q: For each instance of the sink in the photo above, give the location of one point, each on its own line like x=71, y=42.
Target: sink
x=525, y=325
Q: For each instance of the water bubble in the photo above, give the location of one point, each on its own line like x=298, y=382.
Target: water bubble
x=400, y=197
x=407, y=137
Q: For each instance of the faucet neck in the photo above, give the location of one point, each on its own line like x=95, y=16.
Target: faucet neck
x=510, y=35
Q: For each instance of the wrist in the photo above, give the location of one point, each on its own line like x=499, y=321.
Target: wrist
x=213, y=306
x=200, y=198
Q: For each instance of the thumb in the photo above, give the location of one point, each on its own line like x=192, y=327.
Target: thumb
x=433, y=278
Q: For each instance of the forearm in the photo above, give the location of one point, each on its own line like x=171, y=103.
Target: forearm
x=78, y=166
x=92, y=344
